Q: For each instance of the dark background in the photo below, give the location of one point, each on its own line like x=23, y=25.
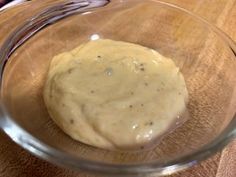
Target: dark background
x=2, y=2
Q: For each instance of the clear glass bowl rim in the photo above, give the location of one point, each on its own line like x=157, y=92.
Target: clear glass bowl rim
x=38, y=148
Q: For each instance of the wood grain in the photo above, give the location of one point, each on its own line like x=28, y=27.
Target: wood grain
x=14, y=161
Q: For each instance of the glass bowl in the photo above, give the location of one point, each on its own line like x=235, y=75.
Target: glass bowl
x=204, y=54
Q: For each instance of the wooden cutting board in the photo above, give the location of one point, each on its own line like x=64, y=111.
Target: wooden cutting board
x=14, y=161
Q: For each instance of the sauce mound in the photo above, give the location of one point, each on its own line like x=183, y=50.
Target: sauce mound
x=115, y=95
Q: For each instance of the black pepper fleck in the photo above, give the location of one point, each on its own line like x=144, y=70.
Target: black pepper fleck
x=142, y=105
x=141, y=147
x=131, y=93
x=99, y=56
x=142, y=69
x=70, y=70
x=130, y=106
x=148, y=123
x=92, y=91
x=146, y=84
x=72, y=121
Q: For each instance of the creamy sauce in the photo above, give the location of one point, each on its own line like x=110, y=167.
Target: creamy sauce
x=115, y=95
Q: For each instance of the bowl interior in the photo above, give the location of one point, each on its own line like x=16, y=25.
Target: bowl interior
x=206, y=61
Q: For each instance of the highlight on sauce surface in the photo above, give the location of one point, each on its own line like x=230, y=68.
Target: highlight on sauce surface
x=115, y=95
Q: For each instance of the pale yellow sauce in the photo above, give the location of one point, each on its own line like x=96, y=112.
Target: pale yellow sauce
x=114, y=95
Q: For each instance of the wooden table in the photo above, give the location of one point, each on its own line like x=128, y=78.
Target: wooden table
x=14, y=161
